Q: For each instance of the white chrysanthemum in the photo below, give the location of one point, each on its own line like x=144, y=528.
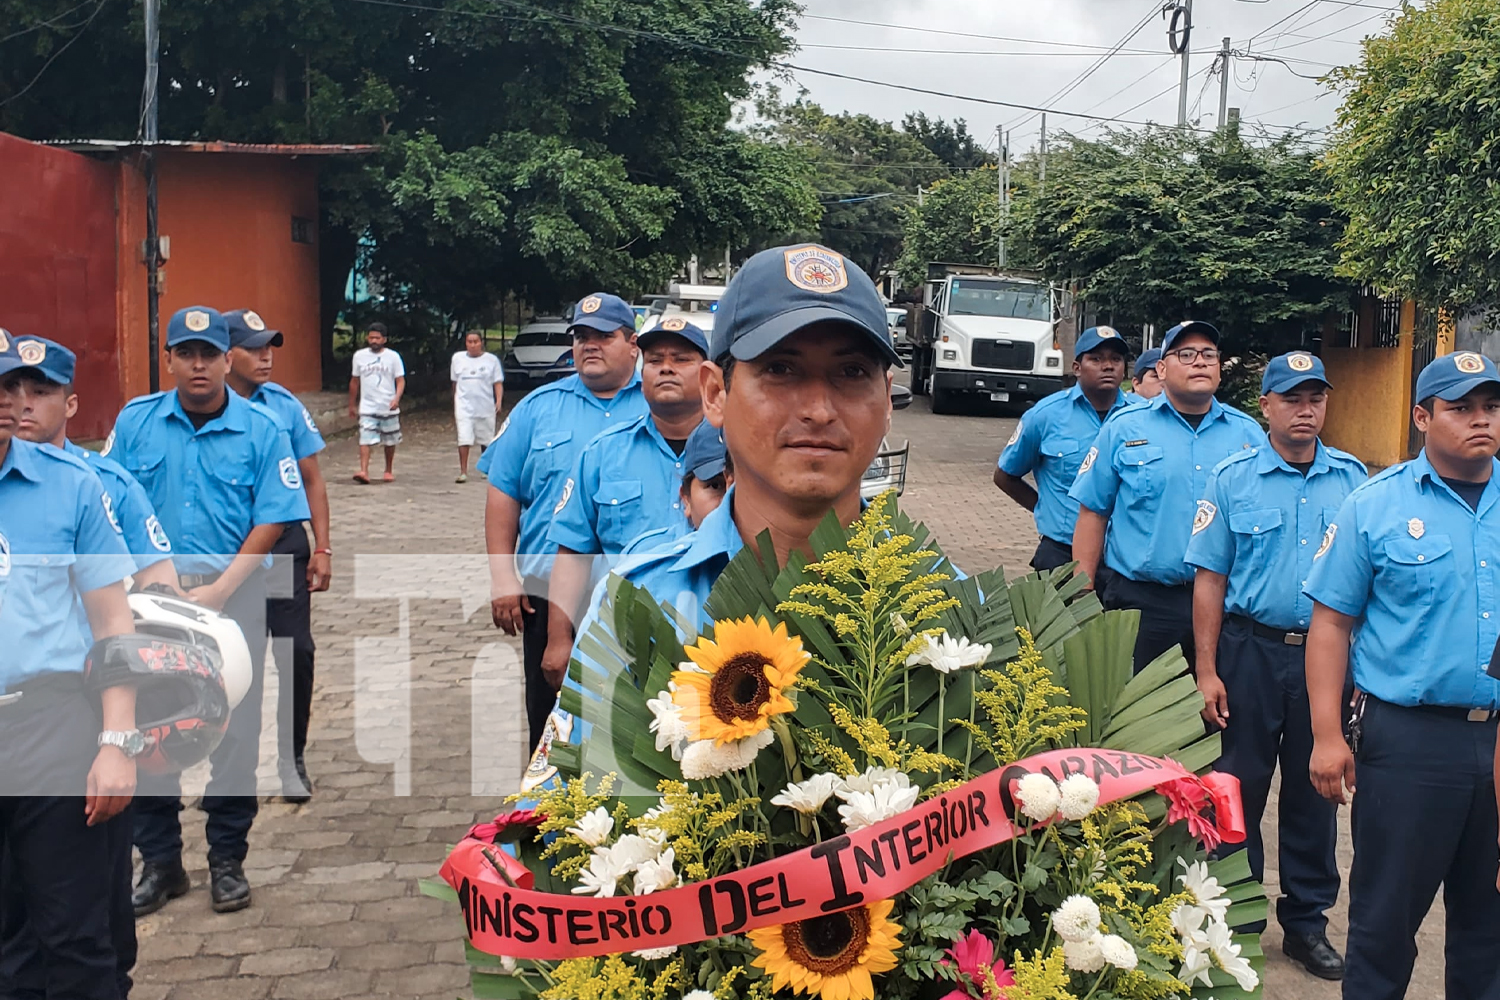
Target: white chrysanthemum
x=1204, y=887
x=594, y=827
x=866, y=781
x=1038, y=796
x=602, y=876
x=1076, y=919
x=699, y=995
x=658, y=873
x=946, y=654
x=655, y=953
x=887, y=799
x=807, y=796
x=1079, y=796
x=1083, y=956
x=634, y=850
x=1118, y=952
x=655, y=813
x=703, y=759
x=1227, y=954
x=1187, y=921
x=656, y=835
x=1196, y=962
x=667, y=722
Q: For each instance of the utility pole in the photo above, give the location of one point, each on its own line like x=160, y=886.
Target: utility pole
x=1224, y=57
x=1004, y=187
x=148, y=134
x=1181, y=44
x=1042, y=159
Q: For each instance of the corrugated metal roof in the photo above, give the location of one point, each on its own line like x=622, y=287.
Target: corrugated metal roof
x=194, y=146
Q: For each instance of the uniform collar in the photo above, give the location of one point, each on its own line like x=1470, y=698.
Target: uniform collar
x=260, y=393
x=232, y=419
x=574, y=384
x=1215, y=409
x=1076, y=394
x=1422, y=469
x=20, y=458
x=1267, y=459
x=77, y=451
x=716, y=536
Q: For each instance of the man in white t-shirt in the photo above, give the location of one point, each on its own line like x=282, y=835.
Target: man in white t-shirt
x=375, y=390
x=478, y=388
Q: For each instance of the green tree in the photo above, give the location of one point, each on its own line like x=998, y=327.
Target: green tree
x=1160, y=225
x=1414, y=156
x=950, y=143
x=957, y=221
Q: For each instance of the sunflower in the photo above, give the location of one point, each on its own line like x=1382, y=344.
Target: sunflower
x=741, y=680
x=835, y=956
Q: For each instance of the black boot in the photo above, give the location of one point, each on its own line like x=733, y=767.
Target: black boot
x=159, y=883
x=1314, y=953
x=227, y=886
x=296, y=786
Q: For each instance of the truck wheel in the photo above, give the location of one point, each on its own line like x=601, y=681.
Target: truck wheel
x=921, y=367
x=943, y=400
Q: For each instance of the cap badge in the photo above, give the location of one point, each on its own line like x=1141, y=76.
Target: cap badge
x=1105, y=332
x=4, y=341
x=1204, y=515
x=253, y=321
x=1468, y=362
x=673, y=323
x=814, y=269
x=32, y=352
x=1415, y=528
x=590, y=304
x=1299, y=362
x=196, y=320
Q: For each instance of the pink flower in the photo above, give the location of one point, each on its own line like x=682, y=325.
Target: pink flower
x=1186, y=800
x=511, y=825
x=975, y=956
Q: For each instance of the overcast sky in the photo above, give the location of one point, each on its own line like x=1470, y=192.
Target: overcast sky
x=1061, y=39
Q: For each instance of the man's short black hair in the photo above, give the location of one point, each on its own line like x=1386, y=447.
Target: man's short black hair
x=376, y=328
x=1429, y=404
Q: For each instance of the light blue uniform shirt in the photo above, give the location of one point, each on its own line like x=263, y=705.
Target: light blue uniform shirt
x=657, y=539
x=530, y=458
x=58, y=541
x=1421, y=571
x=211, y=487
x=1050, y=442
x=144, y=536
x=1259, y=523
x=1146, y=471
x=306, y=439
x=625, y=481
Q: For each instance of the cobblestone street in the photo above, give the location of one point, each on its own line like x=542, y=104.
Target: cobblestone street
x=337, y=912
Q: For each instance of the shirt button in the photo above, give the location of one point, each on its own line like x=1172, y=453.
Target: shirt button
x=1486, y=614
x=1304, y=541
x=1301, y=621
x=549, y=444
x=606, y=413
x=1421, y=558
x=612, y=502
x=1198, y=467
x=1304, y=499
x=1256, y=528
x=675, y=506
x=1483, y=563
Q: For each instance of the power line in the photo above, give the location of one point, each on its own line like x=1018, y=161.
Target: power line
x=964, y=52
x=969, y=34
x=1092, y=69
x=53, y=58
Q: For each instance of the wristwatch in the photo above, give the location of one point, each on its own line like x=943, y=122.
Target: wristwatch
x=131, y=743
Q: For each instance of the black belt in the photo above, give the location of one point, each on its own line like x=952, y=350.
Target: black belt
x=1290, y=638
x=189, y=581
x=1453, y=712
x=43, y=689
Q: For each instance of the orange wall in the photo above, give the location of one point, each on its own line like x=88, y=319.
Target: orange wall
x=1369, y=409
x=229, y=217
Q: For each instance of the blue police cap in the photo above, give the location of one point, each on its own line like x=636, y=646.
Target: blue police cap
x=1454, y=376
x=1096, y=337
x=1149, y=358
x=704, y=454
x=1287, y=371
x=198, y=323
x=674, y=326
x=52, y=360
x=779, y=291
x=248, y=330
x=1186, y=327
x=603, y=312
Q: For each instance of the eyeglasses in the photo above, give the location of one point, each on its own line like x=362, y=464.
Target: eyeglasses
x=1187, y=355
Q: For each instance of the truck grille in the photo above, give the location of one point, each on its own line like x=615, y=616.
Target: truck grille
x=1004, y=354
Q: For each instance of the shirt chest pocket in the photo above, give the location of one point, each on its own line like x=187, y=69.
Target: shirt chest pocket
x=1415, y=569
x=1065, y=455
x=149, y=469
x=1256, y=531
x=551, y=454
x=229, y=483
x=1330, y=515
x=1143, y=473
x=620, y=506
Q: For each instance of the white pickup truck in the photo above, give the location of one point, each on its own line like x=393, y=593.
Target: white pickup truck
x=986, y=333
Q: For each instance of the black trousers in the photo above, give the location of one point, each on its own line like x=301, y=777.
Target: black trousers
x=1270, y=722
x=230, y=799
x=289, y=619
x=1050, y=554
x=1424, y=816
x=60, y=932
x=540, y=697
x=1166, y=614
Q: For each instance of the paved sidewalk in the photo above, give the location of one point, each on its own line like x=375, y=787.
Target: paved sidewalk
x=337, y=913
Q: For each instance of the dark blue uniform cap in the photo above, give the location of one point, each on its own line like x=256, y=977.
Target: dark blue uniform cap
x=674, y=326
x=248, y=330
x=1149, y=358
x=1186, y=327
x=1287, y=371
x=779, y=291
x=704, y=454
x=1454, y=376
x=198, y=323
x=1096, y=337
x=54, y=361
x=603, y=312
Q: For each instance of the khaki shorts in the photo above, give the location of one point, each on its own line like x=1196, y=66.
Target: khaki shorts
x=475, y=430
x=384, y=430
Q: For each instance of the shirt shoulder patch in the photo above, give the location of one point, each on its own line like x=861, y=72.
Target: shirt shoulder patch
x=4, y=556
x=1327, y=542
x=109, y=511
x=1204, y=516
x=1017, y=435
x=109, y=443
x=158, y=535
x=567, y=494
x=291, y=476
x=1088, y=460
